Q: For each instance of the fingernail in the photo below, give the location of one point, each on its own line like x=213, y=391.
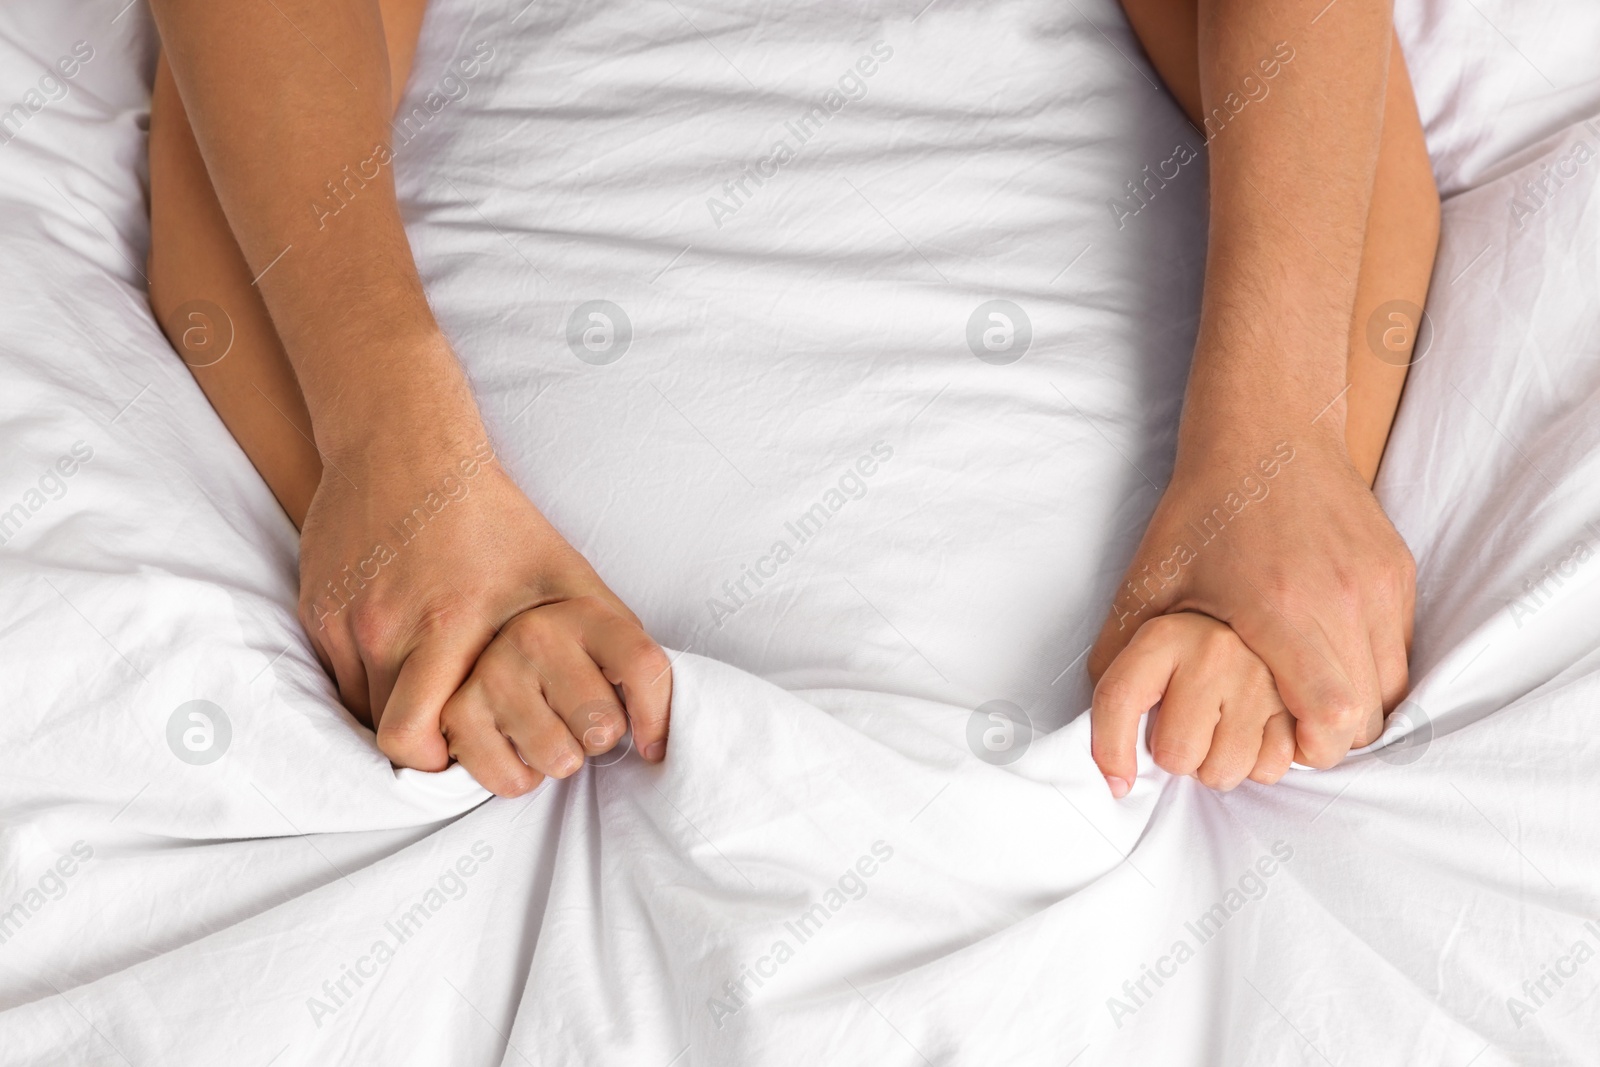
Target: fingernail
x=1119, y=786
x=655, y=750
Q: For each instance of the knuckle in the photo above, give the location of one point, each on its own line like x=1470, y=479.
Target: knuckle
x=649, y=657
x=1336, y=707
x=1369, y=730
x=1390, y=593
x=1320, y=754
x=1403, y=569
x=1221, y=649
x=590, y=606
x=429, y=622
x=1282, y=589
x=559, y=758
x=532, y=633
x=1175, y=758
x=496, y=683
x=1342, y=599
x=410, y=748
x=1269, y=773
x=509, y=781
x=1164, y=628
x=1216, y=778
x=1116, y=692
x=453, y=719
x=1350, y=714
x=374, y=628
x=1277, y=749
x=503, y=776
x=1261, y=685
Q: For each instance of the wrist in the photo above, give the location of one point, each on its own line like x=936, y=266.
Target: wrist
x=397, y=402
x=1251, y=445
x=1238, y=408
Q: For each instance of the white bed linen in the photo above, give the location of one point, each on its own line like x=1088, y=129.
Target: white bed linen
x=823, y=727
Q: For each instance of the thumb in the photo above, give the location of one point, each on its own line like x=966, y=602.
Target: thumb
x=1134, y=683
x=408, y=726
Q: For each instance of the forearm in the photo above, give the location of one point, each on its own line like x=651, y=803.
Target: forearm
x=1291, y=187
x=285, y=98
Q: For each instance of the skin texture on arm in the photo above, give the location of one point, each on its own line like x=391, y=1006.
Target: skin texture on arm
x=202, y=293
x=418, y=552
x=1396, y=265
x=281, y=97
x=1400, y=238
x=1313, y=577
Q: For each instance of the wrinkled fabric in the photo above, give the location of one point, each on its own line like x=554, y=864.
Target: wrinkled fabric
x=782, y=419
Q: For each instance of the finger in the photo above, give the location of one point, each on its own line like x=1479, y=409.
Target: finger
x=1236, y=742
x=1328, y=699
x=1133, y=683
x=564, y=685
x=1357, y=650
x=349, y=673
x=1187, y=722
x=409, y=731
x=1277, y=750
x=467, y=633
x=541, y=737
x=317, y=635
x=1372, y=725
x=468, y=726
x=576, y=691
x=630, y=660
x=1408, y=599
x=1389, y=653
x=1390, y=612
x=381, y=677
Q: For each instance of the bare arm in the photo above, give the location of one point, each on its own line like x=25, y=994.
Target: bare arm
x=417, y=548
x=1309, y=573
x=1291, y=188
x=283, y=97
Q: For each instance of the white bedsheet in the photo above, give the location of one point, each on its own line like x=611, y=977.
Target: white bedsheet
x=1400, y=909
